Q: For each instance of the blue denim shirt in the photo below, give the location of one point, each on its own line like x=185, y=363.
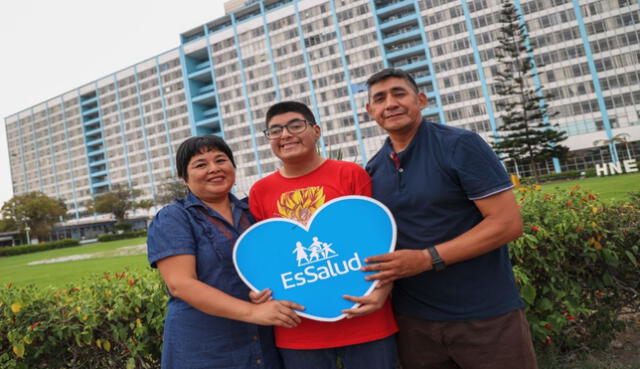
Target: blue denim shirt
x=193, y=339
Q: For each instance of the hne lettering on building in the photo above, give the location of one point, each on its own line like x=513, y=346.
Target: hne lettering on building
x=627, y=166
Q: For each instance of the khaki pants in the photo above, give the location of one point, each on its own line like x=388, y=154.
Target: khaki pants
x=503, y=342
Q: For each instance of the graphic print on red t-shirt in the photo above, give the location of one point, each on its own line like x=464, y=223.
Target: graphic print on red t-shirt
x=299, y=205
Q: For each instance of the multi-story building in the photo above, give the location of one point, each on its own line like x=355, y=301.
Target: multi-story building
x=124, y=128
x=121, y=129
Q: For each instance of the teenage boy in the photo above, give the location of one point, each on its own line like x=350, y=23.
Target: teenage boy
x=455, y=297
x=304, y=183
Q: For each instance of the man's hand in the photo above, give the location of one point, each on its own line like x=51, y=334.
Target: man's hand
x=396, y=265
x=370, y=303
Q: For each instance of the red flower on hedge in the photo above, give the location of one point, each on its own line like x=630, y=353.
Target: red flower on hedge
x=131, y=282
x=578, y=228
x=569, y=203
x=548, y=326
x=599, y=293
x=535, y=229
x=571, y=317
x=591, y=196
x=584, y=200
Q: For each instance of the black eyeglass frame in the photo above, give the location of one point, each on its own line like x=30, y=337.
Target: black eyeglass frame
x=286, y=126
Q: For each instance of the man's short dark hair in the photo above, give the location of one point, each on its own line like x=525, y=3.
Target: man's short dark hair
x=288, y=107
x=391, y=73
x=198, y=145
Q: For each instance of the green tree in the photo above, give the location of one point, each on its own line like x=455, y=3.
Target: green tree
x=35, y=210
x=7, y=225
x=525, y=134
x=172, y=188
x=145, y=205
x=117, y=202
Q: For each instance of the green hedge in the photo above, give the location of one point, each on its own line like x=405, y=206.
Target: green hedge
x=121, y=236
x=576, y=266
x=109, y=321
x=26, y=249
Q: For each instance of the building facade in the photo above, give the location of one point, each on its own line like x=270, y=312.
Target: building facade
x=124, y=128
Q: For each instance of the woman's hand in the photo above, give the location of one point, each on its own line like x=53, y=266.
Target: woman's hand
x=179, y=274
x=276, y=312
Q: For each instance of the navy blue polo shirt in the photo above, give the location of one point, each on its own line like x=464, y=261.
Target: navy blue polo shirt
x=430, y=187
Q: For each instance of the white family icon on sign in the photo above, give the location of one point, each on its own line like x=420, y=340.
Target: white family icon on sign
x=317, y=251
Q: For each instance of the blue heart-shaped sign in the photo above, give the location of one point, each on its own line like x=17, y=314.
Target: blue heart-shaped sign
x=315, y=265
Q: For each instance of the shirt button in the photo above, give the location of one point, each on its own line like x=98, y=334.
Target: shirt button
x=400, y=170
x=258, y=361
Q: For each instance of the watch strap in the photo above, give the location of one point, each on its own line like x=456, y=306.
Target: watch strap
x=436, y=261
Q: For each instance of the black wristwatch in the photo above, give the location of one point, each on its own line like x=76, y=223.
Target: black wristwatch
x=436, y=261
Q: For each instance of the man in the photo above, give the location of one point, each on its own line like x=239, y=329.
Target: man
x=304, y=183
x=455, y=297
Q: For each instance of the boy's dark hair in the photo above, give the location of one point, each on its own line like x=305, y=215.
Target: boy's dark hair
x=288, y=107
x=198, y=145
x=389, y=73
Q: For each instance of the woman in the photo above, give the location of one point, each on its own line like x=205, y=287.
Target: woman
x=209, y=322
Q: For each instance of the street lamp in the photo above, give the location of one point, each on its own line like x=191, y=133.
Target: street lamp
x=27, y=229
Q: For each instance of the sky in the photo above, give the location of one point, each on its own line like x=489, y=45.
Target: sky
x=52, y=47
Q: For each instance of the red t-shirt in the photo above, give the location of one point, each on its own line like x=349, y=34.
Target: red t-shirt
x=298, y=198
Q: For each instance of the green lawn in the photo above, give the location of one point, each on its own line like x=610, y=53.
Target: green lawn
x=610, y=188
x=15, y=269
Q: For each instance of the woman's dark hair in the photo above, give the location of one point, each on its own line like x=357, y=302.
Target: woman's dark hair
x=288, y=107
x=198, y=145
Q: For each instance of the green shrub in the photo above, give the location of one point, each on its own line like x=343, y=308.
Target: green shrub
x=121, y=236
x=27, y=249
x=108, y=321
x=590, y=172
x=576, y=266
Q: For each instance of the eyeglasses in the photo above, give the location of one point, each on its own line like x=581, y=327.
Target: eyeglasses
x=294, y=127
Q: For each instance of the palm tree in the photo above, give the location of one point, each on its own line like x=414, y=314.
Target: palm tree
x=619, y=138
